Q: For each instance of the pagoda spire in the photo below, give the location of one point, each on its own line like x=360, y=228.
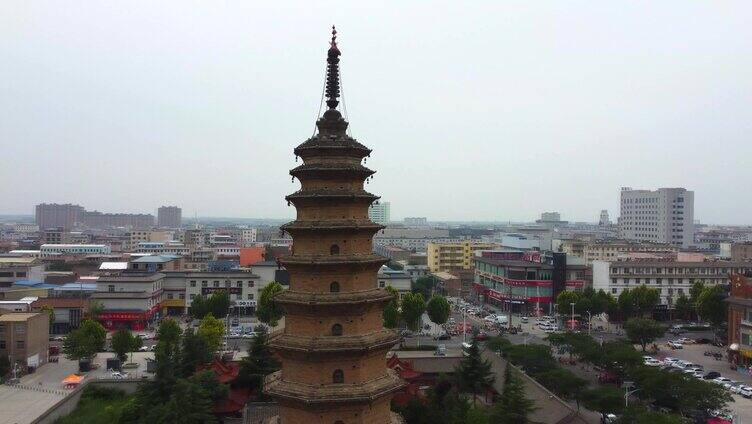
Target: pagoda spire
x=332, y=72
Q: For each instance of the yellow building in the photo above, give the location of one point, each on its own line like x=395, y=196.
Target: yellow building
x=454, y=256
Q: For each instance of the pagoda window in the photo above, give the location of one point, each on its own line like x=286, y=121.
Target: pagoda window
x=334, y=250
x=338, y=377
x=334, y=287
x=336, y=330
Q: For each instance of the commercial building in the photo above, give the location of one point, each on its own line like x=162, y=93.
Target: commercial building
x=737, y=251
x=334, y=345
x=162, y=248
x=14, y=269
x=51, y=215
x=169, y=217
x=242, y=287
x=454, y=256
x=739, y=330
x=672, y=278
x=24, y=337
x=379, y=212
x=141, y=236
x=665, y=215
x=52, y=250
x=131, y=299
x=68, y=312
x=526, y=286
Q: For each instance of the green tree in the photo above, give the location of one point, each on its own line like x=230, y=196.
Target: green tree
x=474, y=373
x=211, y=330
x=413, y=307
x=123, y=342
x=218, y=304
x=711, y=306
x=578, y=344
x=683, y=307
x=606, y=400
x=47, y=309
x=259, y=363
x=643, y=331
x=85, y=341
x=167, y=356
x=438, y=309
x=195, y=351
x=513, y=406
x=640, y=415
x=269, y=312
x=199, y=307
x=391, y=310
x=679, y=392
x=190, y=401
x=626, y=304
x=498, y=344
x=95, y=309
x=424, y=286
x=695, y=291
x=563, y=383
x=533, y=358
x=564, y=302
x=645, y=299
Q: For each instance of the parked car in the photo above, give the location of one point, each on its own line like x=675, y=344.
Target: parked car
x=118, y=375
x=721, y=380
x=746, y=392
x=144, y=336
x=481, y=336
x=712, y=375
x=675, y=345
x=444, y=336
x=686, y=340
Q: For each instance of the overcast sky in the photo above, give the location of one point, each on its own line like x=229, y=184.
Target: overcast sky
x=475, y=110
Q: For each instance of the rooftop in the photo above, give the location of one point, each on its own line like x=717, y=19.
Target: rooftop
x=17, y=317
x=514, y=263
x=113, y=266
x=156, y=259
x=19, y=261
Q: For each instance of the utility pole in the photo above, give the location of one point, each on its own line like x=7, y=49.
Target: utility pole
x=589, y=320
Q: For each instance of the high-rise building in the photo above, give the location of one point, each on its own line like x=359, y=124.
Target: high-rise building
x=169, y=217
x=665, y=215
x=51, y=215
x=96, y=219
x=334, y=345
x=379, y=213
x=605, y=220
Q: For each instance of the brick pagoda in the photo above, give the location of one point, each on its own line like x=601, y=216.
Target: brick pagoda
x=333, y=349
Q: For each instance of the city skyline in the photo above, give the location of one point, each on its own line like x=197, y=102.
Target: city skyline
x=511, y=109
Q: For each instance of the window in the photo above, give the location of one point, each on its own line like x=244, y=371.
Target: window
x=20, y=329
x=334, y=250
x=216, y=284
x=613, y=290
x=169, y=296
x=336, y=330
x=111, y=288
x=204, y=284
x=193, y=283
x=227, y=284
x=382, y=284
x=20, y=344
x=182, y=296
x=250, y=284
x=334, y=287
x=250, y=296
x=338, y=377
x=193, y=296
x=240, y=284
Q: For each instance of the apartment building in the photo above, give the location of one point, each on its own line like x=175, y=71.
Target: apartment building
x=611, y=250
x=169, y=217
x=672, y=278
x=454, y=256
x=380, y=212
x=24, y=338
x=243, y=288
x=66, y=216
x=665, y=215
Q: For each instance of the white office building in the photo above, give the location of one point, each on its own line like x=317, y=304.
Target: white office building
x=379, y=213
x=665, y=215
x=51, y=250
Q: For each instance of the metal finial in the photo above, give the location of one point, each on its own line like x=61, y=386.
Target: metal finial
x=332, y=72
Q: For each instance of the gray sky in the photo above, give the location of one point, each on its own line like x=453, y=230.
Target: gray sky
x=475, y=110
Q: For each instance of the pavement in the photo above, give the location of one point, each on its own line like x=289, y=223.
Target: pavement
x=21, y=405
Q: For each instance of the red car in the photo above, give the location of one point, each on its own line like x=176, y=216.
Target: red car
x=481, y=337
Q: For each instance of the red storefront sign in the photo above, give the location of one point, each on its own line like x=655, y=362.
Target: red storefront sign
x=231, y=290
x=121, y=316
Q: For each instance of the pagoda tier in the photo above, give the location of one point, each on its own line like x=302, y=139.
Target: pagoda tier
x=333, y=348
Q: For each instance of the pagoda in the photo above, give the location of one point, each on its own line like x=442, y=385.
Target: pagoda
x=333, y=348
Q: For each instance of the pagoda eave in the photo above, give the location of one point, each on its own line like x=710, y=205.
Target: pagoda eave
x=331, y=300
x=358, y=344
x=332, y=393
x=353, y=261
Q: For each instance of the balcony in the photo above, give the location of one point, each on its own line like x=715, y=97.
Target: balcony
x=746, y=323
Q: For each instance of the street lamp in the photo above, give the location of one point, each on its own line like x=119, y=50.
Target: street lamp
x=627, y=393
x=571, y=323
x=589, y=320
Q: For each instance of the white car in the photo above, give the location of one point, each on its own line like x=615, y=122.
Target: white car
x=730, y=385
x=685, y=340
x=721, y=380
x=698, y=375
x=675, y=345
x=249, y=335
x=144, y=336
x=746, y=392
x=738, y=389
x=118, y=375
x=144, y=349
x=652, y=362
